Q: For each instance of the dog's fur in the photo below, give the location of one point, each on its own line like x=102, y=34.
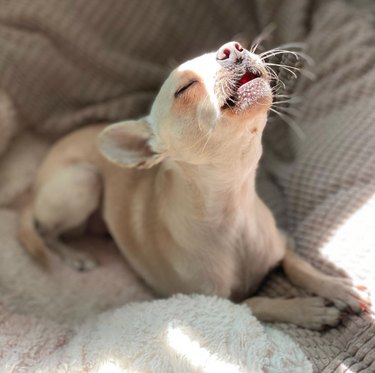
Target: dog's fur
x=177, y=193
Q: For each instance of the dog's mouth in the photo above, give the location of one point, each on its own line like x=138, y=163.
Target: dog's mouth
x=247, y=90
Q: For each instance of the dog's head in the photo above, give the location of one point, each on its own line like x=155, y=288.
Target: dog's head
x=209, y=110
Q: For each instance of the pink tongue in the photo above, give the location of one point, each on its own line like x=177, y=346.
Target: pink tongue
x=246, y=78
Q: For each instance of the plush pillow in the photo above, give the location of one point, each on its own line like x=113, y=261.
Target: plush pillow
x=179, y=334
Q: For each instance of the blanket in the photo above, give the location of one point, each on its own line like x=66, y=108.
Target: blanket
x=181, y=334
x=68, y=64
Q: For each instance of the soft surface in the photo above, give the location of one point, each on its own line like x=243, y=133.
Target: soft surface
x=182, y=334
x=48, y=322
x=71, y=63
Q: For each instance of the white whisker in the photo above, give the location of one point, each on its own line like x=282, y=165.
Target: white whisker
x=290, y=100
x=267, y=31
x=285, y=67
x=209, y=134
x=288, y=120
x=273, y=52
x=281, y=65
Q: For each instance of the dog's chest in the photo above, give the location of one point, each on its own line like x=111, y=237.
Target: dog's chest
x=175, y=254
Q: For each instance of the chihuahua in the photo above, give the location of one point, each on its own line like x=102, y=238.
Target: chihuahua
x=176, y=190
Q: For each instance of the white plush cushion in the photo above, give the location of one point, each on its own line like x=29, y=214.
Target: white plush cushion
x=181, y=334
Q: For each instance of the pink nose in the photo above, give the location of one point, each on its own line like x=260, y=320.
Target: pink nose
x=231, y=52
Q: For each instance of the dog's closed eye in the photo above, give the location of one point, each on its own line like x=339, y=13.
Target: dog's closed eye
x=184, y=88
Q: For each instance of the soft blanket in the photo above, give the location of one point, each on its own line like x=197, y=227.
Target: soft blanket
x=181, y=334
x=71, y=63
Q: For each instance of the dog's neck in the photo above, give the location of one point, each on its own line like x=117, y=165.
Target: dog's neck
x=211, y=192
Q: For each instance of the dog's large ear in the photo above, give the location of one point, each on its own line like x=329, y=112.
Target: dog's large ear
x=127, y=144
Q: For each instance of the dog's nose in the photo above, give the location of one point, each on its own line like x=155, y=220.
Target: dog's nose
x=230, y=53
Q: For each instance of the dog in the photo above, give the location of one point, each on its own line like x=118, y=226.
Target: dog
x=176, y=190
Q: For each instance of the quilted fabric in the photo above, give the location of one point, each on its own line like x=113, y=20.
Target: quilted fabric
x=71, y=63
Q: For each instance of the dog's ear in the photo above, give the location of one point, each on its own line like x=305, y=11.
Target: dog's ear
x=127, y=144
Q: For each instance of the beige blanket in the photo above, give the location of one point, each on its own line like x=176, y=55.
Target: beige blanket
x=65, y=64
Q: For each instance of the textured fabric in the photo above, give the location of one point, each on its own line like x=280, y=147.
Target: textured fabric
x=64, y=64
x=181, y=334
x=329, y=188
x=48, y=323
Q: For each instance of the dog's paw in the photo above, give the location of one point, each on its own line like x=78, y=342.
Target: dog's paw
x=75, y=259
x=80, y=262
x=313, y=313
x=345, y=294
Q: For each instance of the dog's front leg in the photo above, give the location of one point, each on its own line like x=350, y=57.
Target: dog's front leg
x=342, y=292
x=311, y=313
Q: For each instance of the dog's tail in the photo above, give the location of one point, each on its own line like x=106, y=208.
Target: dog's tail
x=29, y=236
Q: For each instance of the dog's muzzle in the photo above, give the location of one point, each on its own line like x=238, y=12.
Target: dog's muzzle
x=248, y=85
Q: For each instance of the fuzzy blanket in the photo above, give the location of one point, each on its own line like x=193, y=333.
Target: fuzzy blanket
x=181, y=334
x=65, y=64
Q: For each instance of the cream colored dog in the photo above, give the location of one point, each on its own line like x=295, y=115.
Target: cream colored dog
x=177, y=192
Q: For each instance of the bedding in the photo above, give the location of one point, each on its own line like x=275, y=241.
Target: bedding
x=68, y=64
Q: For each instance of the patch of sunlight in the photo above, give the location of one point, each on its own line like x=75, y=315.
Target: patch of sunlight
x=111, y=366
x=357, y=229
x=343, y=368
x=198, y=356
x=352, y=246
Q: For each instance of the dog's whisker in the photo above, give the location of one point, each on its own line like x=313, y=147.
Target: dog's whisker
x=294, y=111
x=267, y=31
x=297, y=55
x=301, y=46
x=273, y=53
x=290, y=111
x=286, y=49
x=283, y=96
x=285, y=108
x=222, y=90
x=209, y=134
x=254, y=47
x=199, y=123
x=282, y=65
x=303, y=71
x=291, y=100
x=291, y=122
x=272, y=73
x=308, y=74
x=278, y=86
x=286, y=68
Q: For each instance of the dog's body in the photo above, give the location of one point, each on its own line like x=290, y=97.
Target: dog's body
x=177, y=192
x=176, y=244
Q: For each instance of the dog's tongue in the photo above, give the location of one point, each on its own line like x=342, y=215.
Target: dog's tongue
x=247, y=77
